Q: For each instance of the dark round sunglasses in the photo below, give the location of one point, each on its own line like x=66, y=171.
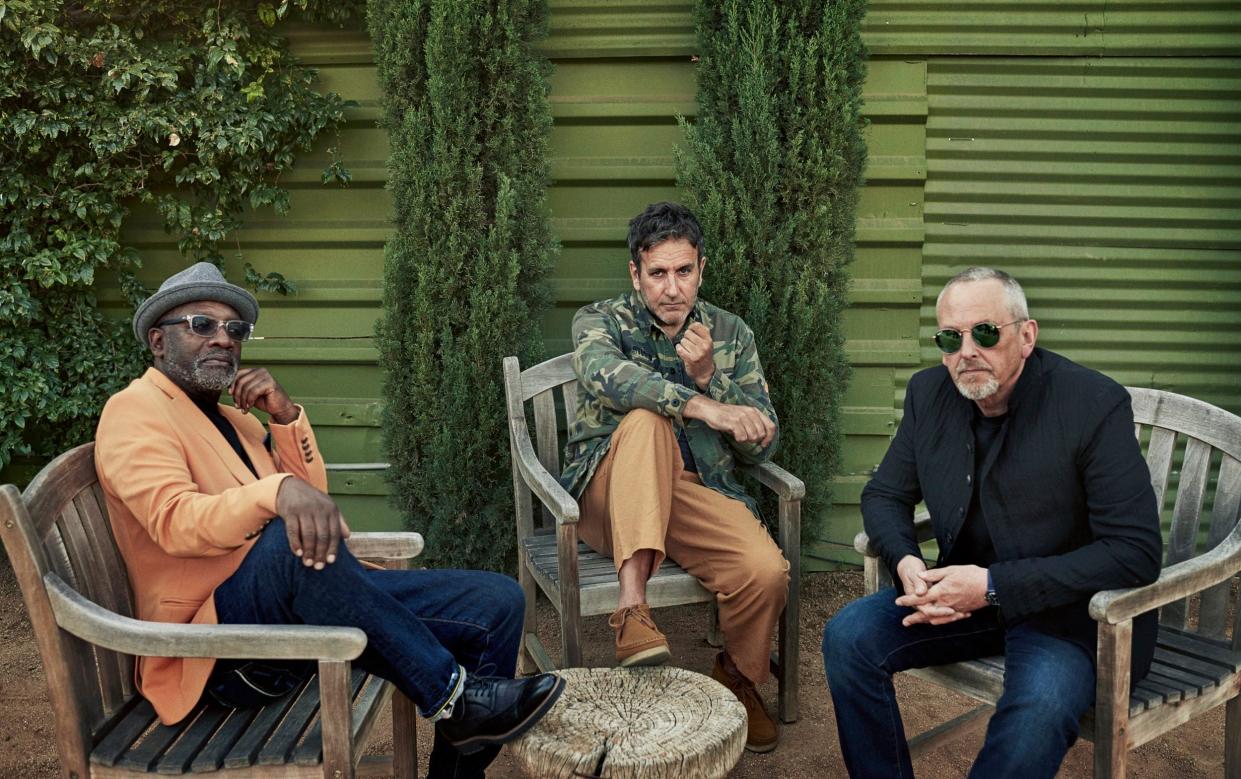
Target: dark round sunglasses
x=985, y=334
x=204, y=326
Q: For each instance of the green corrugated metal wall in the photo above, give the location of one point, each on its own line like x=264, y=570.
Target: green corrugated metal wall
x=623, y=71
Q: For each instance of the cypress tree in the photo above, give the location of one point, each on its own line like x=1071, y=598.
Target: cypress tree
x=465, y=106
x=772, y=168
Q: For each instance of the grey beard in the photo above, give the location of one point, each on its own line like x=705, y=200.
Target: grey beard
x=979, y=391
x=201, y=378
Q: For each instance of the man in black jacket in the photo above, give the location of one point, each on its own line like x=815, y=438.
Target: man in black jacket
x=1039, y=498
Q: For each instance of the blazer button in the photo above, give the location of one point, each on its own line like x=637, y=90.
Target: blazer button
x=969, y=477
x=961, y=511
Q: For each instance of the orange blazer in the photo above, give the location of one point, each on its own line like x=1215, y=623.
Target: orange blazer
x=185, y=510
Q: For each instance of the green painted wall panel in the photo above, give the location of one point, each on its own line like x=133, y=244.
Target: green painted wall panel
x=1058, y=27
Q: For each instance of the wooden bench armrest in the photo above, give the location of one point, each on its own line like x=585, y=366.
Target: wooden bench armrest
x=773, y=477
x=547, y=487
x=385, y=546
x=93, y=623
x=1174, y=583
x=923, y=531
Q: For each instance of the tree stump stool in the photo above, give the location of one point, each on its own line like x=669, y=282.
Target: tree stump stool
x=636, y=723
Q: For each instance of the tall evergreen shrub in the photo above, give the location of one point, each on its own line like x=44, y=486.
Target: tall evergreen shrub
x=465, y=106
x=772, y=168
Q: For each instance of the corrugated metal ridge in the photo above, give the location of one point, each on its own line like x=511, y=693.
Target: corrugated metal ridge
x=1112, y=190
x=1090, y=27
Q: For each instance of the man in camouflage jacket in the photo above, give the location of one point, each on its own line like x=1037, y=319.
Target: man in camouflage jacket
x=672, y=396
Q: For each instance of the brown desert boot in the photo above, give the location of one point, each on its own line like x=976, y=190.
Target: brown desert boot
x=638, y=641
x=761, y=735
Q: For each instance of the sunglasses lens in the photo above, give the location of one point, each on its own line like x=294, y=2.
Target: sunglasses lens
x=985, y=334
x=203, y=326
x=238, y=330
x=948, y=341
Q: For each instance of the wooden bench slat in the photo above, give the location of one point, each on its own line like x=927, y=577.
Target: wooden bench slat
x=279, y=747
x=143, y=755
x=1200, y=648
x=122, y=735
x=1191, y=684
x=310, y=751
x=1170, y=690
x=180, y=757
x=1210, y=671
x=246, y=751
x=211, y=757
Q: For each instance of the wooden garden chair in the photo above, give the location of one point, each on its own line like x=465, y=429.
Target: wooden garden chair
x=1197, y=660
x=578, y=580
x=76, y=590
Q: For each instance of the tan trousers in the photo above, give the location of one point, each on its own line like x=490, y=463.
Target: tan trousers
x=641, y=497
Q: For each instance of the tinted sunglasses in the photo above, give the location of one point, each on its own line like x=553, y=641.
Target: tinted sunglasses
x=204, y=326
x=985, y=334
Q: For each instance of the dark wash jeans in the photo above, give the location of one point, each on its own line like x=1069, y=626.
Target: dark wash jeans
x=419, y=624
x=1049, y=683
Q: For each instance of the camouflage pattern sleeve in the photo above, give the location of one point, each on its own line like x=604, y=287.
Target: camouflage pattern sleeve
x=746, y=387
x=616, y=381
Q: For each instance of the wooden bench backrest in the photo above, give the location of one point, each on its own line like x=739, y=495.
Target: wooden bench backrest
x=60, y=525
x=539, y=386
x=1205, y=442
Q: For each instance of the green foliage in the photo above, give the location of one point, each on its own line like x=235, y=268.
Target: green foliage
x=192, y=109
x=466, y=111
x=772, y=168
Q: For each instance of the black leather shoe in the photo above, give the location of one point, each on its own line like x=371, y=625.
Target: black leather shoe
x=496, y=711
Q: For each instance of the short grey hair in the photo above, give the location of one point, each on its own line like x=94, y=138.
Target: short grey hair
x=1013, y=293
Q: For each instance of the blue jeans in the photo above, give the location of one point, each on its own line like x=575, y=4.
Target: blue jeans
x=419, y=624
x=1049, y=683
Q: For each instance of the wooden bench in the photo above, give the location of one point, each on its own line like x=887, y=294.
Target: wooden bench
x=75, y=587
x=1197, y=662
x=581, y=582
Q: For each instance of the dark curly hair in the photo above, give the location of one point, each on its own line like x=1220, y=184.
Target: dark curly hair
x=661, y=222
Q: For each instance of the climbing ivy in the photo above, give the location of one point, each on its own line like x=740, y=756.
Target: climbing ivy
x=187, y=111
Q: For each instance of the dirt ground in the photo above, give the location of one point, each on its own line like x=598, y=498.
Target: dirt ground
x=808, y=748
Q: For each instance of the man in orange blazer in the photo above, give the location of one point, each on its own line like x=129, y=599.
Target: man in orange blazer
x=221, y=521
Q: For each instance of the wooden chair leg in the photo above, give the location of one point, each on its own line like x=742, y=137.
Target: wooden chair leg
x=790, y=632
x=1111, y=747
x=404, y=737
x=570, y=597
x=337, y=719
x=1232, y=739
x=526, y=664
x=715, y=636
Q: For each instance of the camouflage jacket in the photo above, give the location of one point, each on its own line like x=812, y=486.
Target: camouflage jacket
x=624, y=361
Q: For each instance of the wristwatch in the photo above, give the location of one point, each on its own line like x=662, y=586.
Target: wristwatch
x=992, y=598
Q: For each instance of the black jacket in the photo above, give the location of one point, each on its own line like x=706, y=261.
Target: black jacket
x=1066, y=494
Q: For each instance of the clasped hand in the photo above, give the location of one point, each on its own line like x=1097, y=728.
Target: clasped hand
x=940, y=595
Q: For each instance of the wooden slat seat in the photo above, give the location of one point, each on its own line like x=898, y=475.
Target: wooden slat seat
x=1185, y=666
x=597, y=580
x=577, y=580
x=212, y=737
x=75, y=586
x=1197, y=663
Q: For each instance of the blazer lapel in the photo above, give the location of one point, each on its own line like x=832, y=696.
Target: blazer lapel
x=189, y=414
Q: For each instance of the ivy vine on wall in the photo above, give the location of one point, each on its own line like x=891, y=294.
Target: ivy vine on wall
x=192, y=109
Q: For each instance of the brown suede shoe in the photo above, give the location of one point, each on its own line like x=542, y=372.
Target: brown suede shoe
x=761, y=735
x=638, y=641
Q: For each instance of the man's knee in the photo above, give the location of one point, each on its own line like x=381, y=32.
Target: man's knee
x=847, y=637
x=639, y=421
x=769, y=577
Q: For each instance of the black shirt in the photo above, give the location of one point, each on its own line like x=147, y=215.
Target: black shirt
x=212, y=410
x=974, y=546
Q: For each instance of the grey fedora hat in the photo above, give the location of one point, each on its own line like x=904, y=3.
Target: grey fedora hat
x=202, y=281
